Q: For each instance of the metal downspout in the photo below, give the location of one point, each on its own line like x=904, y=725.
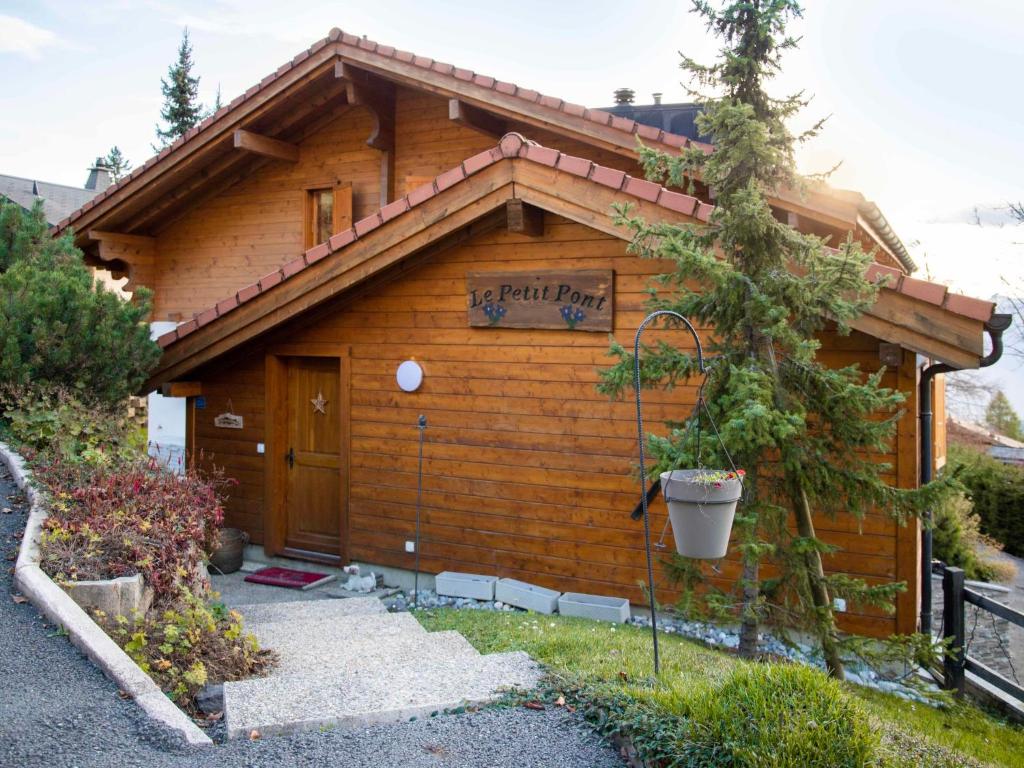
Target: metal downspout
x=995, y=328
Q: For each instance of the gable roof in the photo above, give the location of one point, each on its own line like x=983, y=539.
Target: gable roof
x=59, y=200
x=598, y=127
x=917, y=314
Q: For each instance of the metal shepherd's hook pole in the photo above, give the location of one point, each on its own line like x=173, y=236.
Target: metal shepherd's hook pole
x=422, y=426
x=643, y=467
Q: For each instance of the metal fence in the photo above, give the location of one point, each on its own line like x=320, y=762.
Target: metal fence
x=955, y=597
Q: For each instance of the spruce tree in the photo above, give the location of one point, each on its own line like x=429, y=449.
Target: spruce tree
x=1001, y=417
x=804, y=432
x=117, y=163
x=181, y=109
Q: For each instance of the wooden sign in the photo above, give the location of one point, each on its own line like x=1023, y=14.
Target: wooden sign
x=575, y=300
x=229, y=421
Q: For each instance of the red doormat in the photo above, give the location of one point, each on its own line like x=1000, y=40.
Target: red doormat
x=288, y=578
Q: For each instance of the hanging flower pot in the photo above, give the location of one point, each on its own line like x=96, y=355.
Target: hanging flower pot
x=701, y=507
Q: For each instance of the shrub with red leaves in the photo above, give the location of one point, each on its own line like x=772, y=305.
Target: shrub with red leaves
x=133, y=517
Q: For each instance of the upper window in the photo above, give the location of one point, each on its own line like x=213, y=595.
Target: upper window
x=321, y=216
x=328, y=211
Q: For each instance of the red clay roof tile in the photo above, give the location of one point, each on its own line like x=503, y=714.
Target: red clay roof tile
x=608, y=177
x=677, y=201
x=539, y=154
x=340, y=240
x=389, y=211
x=599, y=116
x=623, y=124
x=976, y=309
x=187, y=327
x=576, y=110
x=704, y=211
x=227, y=305
x=166, y=339
x=449, y=177
x=484, y=81
x=206, y=316
x=933, y=293
x=876, y=273
x=463, y=74
x=269, y=281
x=577, y=166
x=507, y=88
x=293, y=267
x=421, y=193
x=478, y=162
x=317, y=252
x=645, y=190
x=550, y=102
x=248, y=292
x=367, y=224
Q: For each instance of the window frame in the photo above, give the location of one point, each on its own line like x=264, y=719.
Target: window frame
x=341, y=216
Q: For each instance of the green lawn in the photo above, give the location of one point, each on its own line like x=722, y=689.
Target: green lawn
x=611, y=665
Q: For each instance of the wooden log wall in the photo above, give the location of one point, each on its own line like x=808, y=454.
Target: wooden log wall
x=529, y=472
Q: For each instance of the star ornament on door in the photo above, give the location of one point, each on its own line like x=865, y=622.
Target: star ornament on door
x=319, y=404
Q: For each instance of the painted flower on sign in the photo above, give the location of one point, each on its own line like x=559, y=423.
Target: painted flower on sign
x=494, y=312
x=572, y=315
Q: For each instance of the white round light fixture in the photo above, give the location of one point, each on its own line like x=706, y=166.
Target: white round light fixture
x=409, y=376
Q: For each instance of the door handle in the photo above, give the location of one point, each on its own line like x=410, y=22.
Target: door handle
x=290, y=456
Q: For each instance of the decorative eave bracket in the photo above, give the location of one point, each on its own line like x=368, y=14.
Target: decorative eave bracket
x=131, y=256
x=377, y=95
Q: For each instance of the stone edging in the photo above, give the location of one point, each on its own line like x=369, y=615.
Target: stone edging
x=55, y=604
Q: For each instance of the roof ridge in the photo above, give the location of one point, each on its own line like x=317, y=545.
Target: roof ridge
x=513, y=146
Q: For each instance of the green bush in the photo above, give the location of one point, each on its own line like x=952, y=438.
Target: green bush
x=957, y=540
x=779, y=716
x=996, y=491
x=53, y=421
x=59, y=326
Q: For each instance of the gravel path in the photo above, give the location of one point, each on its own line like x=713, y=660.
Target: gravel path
x=57, y=710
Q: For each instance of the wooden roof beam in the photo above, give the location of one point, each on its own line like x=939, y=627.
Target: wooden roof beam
x=264, y=146
x=524, y=219
x=476, y=119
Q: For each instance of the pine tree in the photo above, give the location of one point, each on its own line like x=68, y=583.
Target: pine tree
x=802, y=431
x=58, y=325
x=117, y=163
x=1001, y=417
x=181, y=109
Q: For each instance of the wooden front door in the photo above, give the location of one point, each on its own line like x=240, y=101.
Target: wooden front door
x=313, y=442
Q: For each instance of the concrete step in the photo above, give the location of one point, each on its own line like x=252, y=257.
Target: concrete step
x=311, y=610
x=305, y=649
x=386, y=689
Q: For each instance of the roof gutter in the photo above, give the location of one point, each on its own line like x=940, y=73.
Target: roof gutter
x=995, y=328
x=874, y=216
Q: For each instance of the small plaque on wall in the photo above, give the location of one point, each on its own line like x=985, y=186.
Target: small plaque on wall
x=575, y=300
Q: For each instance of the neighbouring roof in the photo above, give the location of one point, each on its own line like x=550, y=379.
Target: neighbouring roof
x=888, y=313
x=971, y=433
x=59, y=200
x=598, y=125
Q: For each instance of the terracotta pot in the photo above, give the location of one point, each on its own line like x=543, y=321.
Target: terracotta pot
x=701, y=512
x=227, y=558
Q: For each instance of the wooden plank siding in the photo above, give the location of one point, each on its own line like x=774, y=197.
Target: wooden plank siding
x=529, y=472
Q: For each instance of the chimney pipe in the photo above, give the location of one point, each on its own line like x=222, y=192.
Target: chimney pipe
x=657, y=98
x=99, y=176
x=624, y=95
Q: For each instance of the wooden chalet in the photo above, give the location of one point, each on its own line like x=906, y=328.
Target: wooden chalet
x=364, y=206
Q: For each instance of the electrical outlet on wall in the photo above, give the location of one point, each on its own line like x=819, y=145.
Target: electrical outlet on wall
x=410, y=546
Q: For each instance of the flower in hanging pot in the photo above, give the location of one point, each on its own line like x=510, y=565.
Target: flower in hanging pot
x=701, y=506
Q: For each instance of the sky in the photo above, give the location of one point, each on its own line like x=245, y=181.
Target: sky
x=924, y=96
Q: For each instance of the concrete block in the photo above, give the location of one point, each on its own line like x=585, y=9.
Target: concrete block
x=124, y=596
x=528, y=596
x=598, y=607
x=473, y=585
